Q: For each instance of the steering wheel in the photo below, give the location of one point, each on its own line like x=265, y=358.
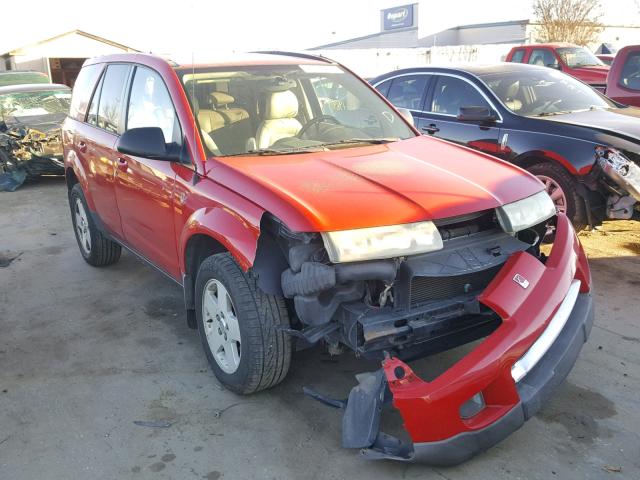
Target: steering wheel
x=316, y=121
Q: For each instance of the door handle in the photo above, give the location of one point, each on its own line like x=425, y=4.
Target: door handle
x=122, y=164
x=430, y=129
x=82, y=146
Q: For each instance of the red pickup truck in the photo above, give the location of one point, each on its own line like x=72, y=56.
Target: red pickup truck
x=572, y=59
x=295, y=206
x=623, y=82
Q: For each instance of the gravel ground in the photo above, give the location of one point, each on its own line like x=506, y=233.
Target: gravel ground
x=86, y=353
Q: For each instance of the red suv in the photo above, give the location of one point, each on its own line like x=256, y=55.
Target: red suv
x=572, y=59
x=294, y=205
x=623, y=82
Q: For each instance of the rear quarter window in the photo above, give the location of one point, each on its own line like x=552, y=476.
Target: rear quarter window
x=82, y=89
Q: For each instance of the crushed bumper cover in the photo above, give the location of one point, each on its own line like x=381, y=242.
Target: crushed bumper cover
x=547, y=314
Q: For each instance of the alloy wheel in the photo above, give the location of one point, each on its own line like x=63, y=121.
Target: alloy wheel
x=221, y=326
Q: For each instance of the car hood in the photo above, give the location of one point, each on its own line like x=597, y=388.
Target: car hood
x=619, y=122
x=401, y=182
x=602, y=70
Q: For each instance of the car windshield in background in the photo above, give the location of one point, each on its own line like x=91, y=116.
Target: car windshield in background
x=280, y=109
x=542, y=92
x=31, y=104
x=578, y=57
x=21, y=78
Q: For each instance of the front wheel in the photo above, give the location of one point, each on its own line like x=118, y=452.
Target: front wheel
x=241, y=327
x=562, y=187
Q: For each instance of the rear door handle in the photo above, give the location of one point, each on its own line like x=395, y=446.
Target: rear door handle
x=430, y=129
x=82, y=146
x=122, y=164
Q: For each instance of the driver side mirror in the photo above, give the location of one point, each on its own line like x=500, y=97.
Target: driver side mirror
x=147, y=142
x=476, y=114
x=406, y=113
x=555, y=66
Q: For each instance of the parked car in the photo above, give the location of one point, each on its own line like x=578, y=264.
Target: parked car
x=566, y=57
x=30, y=135
x=623, y=82
x=581, y=145
x=21, y=77
x=295, y=206
x=607, y=59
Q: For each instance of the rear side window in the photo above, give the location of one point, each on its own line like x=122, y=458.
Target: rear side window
x=111, y=97
x=82, y=90
x=518, y=56
x=406, y=92
x=630, y=77
x=543, y=57
x=150, y=105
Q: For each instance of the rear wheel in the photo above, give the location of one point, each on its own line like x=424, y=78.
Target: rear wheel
x=240, y=327
x=95, y=247
x=562, y=187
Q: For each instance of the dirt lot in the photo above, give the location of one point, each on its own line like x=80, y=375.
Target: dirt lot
x=85, y=353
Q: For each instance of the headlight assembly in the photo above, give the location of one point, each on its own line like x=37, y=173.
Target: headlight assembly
x=526, y=213
x=382, y=242
x=620, y=169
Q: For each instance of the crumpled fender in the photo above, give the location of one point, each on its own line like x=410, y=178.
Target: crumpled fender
x=227, y=227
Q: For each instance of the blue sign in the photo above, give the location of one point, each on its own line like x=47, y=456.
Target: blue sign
x=397, y=17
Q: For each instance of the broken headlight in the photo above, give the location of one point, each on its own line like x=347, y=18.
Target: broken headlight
x=526, y=213
x=620, y=169
x=382, y=242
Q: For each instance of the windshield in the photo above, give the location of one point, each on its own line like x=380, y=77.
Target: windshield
x=576, y=57
x=279, y=109
x=29, y=104
x=19, y=78
x=543, y=92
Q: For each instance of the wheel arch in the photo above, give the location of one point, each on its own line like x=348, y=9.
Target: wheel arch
x=533, y=157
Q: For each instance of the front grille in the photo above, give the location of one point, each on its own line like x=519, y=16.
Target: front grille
x=425, y=289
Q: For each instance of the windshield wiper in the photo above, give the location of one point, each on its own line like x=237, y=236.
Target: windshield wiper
x=350, y=141
x=550, y=114
x=275, y=151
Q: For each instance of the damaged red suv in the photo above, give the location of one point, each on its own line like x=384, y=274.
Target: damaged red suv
x=294, y=205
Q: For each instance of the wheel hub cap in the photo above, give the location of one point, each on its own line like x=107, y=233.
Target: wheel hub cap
x=555, y=192
x=221, y=326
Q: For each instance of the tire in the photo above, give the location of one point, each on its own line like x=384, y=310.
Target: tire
x=95, y=247
x=575, y=207
x=261, y=355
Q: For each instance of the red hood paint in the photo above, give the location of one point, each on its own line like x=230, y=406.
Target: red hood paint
x=401, y=182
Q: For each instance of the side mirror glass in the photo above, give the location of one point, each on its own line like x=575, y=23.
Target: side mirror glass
x=406, y=113
x=147, y=142
x=476, y=114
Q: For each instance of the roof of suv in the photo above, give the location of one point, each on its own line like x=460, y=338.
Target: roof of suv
x=236, y=60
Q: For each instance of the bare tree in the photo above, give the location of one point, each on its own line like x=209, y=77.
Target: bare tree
x=574, y=21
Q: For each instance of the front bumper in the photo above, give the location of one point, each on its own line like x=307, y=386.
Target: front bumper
x=547, y=313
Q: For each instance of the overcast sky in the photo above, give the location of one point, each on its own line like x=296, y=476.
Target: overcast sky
x=178, y=27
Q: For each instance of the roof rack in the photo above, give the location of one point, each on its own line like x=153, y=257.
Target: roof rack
x=308, y=56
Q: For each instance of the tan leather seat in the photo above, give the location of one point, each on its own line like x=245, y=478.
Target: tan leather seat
x=221, y=102
x=279, y=118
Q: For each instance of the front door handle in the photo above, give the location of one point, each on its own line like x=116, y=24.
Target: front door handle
x=122, y=164
x=430, y=129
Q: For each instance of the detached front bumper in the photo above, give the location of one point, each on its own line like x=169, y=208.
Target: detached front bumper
x=547, y=314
